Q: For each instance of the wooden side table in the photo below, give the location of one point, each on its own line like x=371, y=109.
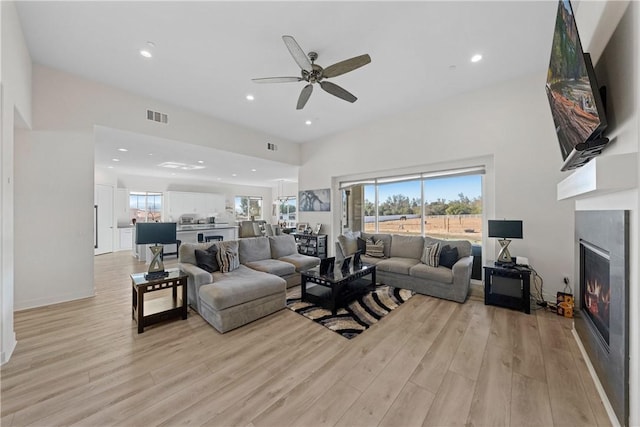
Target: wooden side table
x=156, y=310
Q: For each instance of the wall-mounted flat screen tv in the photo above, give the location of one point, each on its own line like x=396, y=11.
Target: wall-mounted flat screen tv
x=574, y=96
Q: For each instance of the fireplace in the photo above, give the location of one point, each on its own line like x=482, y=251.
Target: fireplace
x=601, y=320
x=595, y=288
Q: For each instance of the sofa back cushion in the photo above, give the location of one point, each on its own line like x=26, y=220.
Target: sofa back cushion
x=406, y=246
x=348, y=242
x=187, y=252
x=254, y=249
x=282, y=246
x=385, y=238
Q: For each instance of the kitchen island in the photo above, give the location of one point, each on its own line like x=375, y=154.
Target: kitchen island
x=188, y=233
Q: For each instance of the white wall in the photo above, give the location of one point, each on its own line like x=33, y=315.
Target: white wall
x=15, y=110
x=510, y=124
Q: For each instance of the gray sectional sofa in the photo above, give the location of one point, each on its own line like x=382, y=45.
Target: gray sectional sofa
x=257, y=288
x=402, y=267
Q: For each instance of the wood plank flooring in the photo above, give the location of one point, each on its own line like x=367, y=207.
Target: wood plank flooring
x=429, y=363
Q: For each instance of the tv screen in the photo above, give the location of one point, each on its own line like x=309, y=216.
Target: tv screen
x=149, y=233
x=574, y=96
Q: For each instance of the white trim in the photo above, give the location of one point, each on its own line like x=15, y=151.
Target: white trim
x=39, y=302
x=596, y=381
x=6, y=355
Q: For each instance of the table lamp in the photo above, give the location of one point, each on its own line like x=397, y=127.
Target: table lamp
x=156, y=234
x=505, y=230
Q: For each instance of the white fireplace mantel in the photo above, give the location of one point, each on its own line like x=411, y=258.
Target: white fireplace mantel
x=603, y=174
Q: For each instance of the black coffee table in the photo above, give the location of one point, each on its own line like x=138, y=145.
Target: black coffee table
x=336, y=288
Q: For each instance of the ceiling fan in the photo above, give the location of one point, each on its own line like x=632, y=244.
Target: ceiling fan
x=313, y=73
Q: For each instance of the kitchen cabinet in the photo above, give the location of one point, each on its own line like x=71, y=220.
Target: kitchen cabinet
x=125, y=241
x=178, y=203
x=122, y=211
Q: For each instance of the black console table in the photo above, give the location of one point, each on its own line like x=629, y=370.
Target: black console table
x=312, y=244
x=507, y=286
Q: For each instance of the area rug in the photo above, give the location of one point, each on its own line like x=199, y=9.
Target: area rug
x=354, y=319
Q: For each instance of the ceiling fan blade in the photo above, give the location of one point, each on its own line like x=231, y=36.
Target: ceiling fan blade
x=304, y=96
x=298, y=54
x=277, y=79
x=346, y=66
x=336, y=90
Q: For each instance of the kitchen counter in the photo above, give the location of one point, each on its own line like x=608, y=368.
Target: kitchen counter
x=189, y=232
x=189, y=227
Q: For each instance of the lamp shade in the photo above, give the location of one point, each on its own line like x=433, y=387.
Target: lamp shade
x=506, y=229
x=148, y=233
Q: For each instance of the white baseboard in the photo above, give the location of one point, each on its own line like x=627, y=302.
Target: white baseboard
x=5, y=355
x=605, y=400
x=41, y=302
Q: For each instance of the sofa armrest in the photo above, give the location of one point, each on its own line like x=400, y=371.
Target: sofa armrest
x=462, y=276
x=197, y=277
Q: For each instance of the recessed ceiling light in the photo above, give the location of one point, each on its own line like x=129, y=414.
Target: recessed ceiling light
x=109, y=167
x=476, y=58
x=115, y=160
x=234, y=174
x=253, y=170
x=122, y=149
x=250, y=97
x=201, y=161
x=308, y=122
x=146, y=53
x=151, y=154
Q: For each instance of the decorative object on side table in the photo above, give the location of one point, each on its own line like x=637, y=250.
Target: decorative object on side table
x=327, y=265
x=156, y=233
x=505, y=230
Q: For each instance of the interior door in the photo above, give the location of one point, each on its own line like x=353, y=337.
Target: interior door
x=103, y=219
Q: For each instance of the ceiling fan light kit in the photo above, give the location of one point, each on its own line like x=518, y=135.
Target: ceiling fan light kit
x=313, y=73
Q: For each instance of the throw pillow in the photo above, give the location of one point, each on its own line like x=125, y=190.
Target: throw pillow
x=207, y=259
x=348, y=243
x=362, y=245
x=227, y=256
x=448, y=256
x=375, y=248
x=431, y=254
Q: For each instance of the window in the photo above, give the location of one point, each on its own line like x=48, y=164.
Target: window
x=446, y=204
x=287, y=210
x=248, y=207
x=145, y=206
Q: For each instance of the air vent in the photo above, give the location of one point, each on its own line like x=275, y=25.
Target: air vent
x=157, y=117
x=272, y=147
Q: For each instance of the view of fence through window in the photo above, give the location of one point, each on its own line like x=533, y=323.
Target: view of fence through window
x=248, y=207
x=452, y=207
x=145, y=207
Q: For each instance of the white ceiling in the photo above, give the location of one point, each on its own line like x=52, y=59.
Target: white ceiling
x=206, y=53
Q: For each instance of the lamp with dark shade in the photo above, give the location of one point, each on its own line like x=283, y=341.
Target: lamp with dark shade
x=505, y=230
x=155, y=233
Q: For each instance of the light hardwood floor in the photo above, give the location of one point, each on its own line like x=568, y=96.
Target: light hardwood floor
x=430, y=362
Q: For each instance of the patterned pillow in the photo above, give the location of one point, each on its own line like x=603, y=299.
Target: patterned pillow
x=375, y=248
x=227, y=256
x=431, y=254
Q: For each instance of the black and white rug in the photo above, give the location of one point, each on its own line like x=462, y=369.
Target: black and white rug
x=358, y=315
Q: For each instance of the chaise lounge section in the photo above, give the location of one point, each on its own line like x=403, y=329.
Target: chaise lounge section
x=253, y=289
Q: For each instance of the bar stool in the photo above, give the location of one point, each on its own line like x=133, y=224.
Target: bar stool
x=215, y=238
x=200, y=237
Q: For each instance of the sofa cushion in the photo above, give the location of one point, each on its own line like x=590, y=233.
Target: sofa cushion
x=386, y=239
x=240, y=286
x=348, y=242
x=254, y=249
x=302, y=262
x=227, y=256
x=362, y=245
x=374, y=248
x=282, y=246
x=397, y=265
x=272, y=266
x=207, y=259
x=448, y=256
x=187, y=251
x=406, y=246
x=437, y=274
x=431, y=254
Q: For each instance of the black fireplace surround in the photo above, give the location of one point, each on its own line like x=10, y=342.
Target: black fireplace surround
x=602, y=301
